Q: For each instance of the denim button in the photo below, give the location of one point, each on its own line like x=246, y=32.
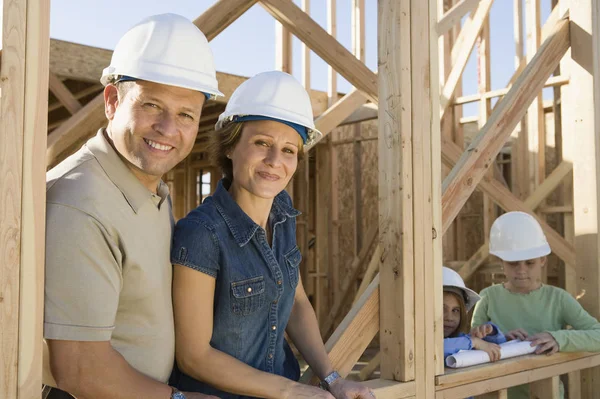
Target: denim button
x=270, y=356
x=278, y=282
x=274, y=328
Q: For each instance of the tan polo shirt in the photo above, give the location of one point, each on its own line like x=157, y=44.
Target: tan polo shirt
x=108, y=271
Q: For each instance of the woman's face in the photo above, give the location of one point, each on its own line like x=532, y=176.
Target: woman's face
x=451, y=314
x=265, y=158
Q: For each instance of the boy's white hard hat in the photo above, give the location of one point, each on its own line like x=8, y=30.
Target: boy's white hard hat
x=454, y=283
x=272, y=94
x=517, y=236
x=167, y=49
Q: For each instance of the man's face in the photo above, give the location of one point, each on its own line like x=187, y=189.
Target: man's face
x=524, y=276
x=153, y=126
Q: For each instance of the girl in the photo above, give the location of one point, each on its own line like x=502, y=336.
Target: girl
x=458, y=301
x=236, y=283
x=524, y=306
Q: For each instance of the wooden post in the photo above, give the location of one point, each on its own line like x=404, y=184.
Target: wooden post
x=358, y=49
x=581, y=113
x=331, y=73
x=545, y=389
x=283, y=48
x=322, y=210
x=23, y=126
x=519, y=151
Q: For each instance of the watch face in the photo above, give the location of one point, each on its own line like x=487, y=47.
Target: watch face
x=178, y=395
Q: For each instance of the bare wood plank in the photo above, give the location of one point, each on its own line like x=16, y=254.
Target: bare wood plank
x=471, y=167
x=331, y=74
x=222, y=14
x=385, y=389
x=78, y=96
x=395, y=191
x=84, y=124
x=322, y=209
x=12, y=109
x=305, y=51
x=353, y=335
x=325, y=46
x=370, y=368
x=349, y=280
x=370, y=273
x=545, y=389
x=283, y=48
x=454, y=15
x=472, y=30
x=63, y=94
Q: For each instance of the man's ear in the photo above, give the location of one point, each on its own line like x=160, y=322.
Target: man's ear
x=544, y=260
x=111, y=101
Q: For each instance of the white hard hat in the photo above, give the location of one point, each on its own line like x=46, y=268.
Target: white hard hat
x=167, y=49
x=272, y=95
x=517, y=236
x=454, y=283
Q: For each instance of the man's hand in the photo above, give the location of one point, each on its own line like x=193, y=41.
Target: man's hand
x=345, y=389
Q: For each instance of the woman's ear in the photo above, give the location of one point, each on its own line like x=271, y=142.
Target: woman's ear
x=544, y=260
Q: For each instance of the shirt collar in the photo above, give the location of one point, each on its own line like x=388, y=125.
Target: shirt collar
x=242, y=227
x=132, y=189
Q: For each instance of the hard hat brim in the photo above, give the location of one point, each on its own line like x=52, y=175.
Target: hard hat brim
x=472, y=296
x=524, y=254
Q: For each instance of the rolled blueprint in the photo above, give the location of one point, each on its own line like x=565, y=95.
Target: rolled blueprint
x=473, y=357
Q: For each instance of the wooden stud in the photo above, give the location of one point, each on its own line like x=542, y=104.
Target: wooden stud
x=545, y=389
x=322, y=210
x=367, y=371
x=472, y=30
x=63, y=94
x=358, y=49
x=580, y=102
x=283, y=48
x=395, y=192
x=370, y=273
x=305, y=52
x=24, y=110
x=454, y=15
x=385, y=389
x=331, y=74
x=94, y=89
x=471, y=167
x=325, y=46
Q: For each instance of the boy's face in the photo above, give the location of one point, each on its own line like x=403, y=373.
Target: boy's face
x=524, y=276
x=451, y=314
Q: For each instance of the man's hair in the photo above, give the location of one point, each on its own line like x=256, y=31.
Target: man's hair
x=463, y=326
x=123, y=88
x=223, y=141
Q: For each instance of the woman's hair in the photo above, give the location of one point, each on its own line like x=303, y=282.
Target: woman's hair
x=224, y=140
x=463, y=326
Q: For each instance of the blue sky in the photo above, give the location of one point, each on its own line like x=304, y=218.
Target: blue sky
x=248, y=46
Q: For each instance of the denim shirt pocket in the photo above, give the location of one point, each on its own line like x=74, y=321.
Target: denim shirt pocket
x=247, y=296
x=293, y=259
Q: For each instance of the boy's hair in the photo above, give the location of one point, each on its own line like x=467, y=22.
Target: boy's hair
x=463, y=327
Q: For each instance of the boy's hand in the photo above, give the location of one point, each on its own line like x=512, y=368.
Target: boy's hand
x=482, y=331
x=492, y=350
x=545, y=342
x=517, y=334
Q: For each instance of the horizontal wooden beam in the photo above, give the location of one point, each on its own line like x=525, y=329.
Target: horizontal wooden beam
x=222, y=14
x=386, y=389
x=473, y=164
x=324, y=45
x=453, y=16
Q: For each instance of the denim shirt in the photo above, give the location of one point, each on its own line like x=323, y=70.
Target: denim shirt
x=463, y=342
x=255, y=282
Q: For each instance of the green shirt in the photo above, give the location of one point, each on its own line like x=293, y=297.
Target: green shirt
x=547, y=309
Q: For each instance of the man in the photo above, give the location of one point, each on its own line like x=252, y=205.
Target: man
x=108, y=318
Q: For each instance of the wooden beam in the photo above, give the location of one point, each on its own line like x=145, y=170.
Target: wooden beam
x=353, y=335
x=325, y=46
x=283, y=48
x=471, y=167
x=385, y=389
x=24, y=110
x=545, y=389
x=82, y=125
x=370, y=273
x=94, y=89
x=331, y=73
x=471, y=32
x=348, y=283
x=63, y=94
x=305, y=52
x=369, y=369
x=395, y=192
x=222, y=14
x=454, y=15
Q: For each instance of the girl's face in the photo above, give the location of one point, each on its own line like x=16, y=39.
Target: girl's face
x=451, y=314
x=524, y=276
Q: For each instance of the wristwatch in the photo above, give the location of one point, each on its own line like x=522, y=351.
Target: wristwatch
x=176, y=394
x=328, y=381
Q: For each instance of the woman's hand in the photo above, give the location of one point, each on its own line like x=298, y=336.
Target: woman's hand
x=482, y=331
x=492, y=350
x=545, y=343
x=302, y=391
x=345, y=389
x=519, y=333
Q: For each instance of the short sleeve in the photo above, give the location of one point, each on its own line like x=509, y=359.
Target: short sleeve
x=195, y=246
x=83, y=276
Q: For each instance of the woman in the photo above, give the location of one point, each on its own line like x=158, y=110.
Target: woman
x=236, y=284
